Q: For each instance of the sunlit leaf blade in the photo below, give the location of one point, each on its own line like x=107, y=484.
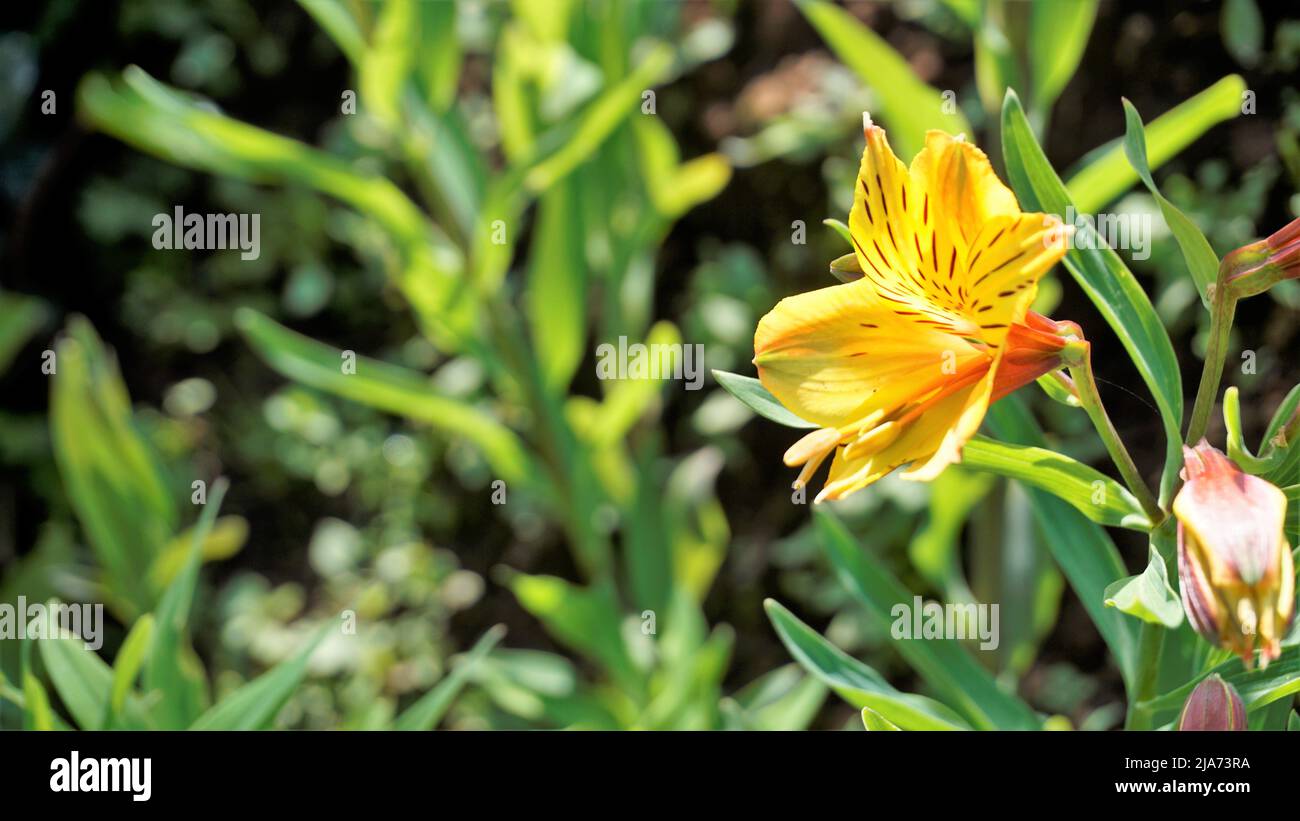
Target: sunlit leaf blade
x=945, y=664
x=750, y=391
x=586, y=619
x=388, y=61
x=439, y=53
x=781, y=699
x=169, y=670
x=909, y=107
x=875, y=722
x=854, y=681
x=556, y=295
x=255, y=705
x=130, y=658
x=598, y=120
x=1092, y=493
x=1104, y=278
x=426, y=712
x=180, y=129
x=337, y=21
x=1108, y=174
x=39, y=715
x=84, y=682
x=380, y=385
x=1058, y=34
x=1197, y=253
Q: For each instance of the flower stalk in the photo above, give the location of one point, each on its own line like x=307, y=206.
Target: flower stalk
x=1223, y=307
x=1078, y=356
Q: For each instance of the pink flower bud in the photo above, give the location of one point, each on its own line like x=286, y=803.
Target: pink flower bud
x=1234, y=563
x=1213, y=705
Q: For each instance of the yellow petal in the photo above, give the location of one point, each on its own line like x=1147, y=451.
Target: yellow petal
x=900, y=254
x=945, y=240
x=836, y=355
x=930, y=442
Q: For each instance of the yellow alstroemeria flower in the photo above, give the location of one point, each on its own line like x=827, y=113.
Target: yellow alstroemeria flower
x=900, y=366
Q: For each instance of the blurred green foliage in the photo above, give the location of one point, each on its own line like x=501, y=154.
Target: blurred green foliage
x=498, y=201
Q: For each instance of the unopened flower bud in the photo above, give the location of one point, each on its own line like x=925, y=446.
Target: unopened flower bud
x=1213, y=705
x=1234, y=563
x=1254, y=268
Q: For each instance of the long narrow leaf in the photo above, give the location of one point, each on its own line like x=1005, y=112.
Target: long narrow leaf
x=383, y=386
x=1092, y=493
x=1109, y=175
x=909, y=106
x=945, y=664
x=854, y=681
x=1103, y=277
x=425, y=713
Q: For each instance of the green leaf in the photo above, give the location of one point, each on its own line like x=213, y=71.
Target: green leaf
x=335, y=19
x=586, y=619
x=426, y=712
x=1281, y=416
x=556, y=296
x=1109, y=175
x=875, y=721
x=750, y=391
x=1148, y=595
x=180, y=129
x=854, y=681
x=945, y=664
x=380, y=385
x=21, y=316
x=676, y=187
x=935, y=550
x=1092, y=493
x=1104, y=278
x=130, y=658
x=841, y=229
x=1257, y=687
x=781, y=699
x=439, y=53
x=1243, y=30
x=1293, y=722
x=84, y=682
x=254, y=705
x=388, y=61
x=180, y=686
x=1058, y=34
x=228, y=535
x=596, y=122
x=908, y=106
x=112, y=477
x=1082, y=549
x=39, y=715
x=1197, y=253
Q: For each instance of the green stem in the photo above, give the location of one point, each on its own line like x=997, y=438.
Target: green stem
x=1086, y=384
x=1223, y=305
x=1151, y=639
